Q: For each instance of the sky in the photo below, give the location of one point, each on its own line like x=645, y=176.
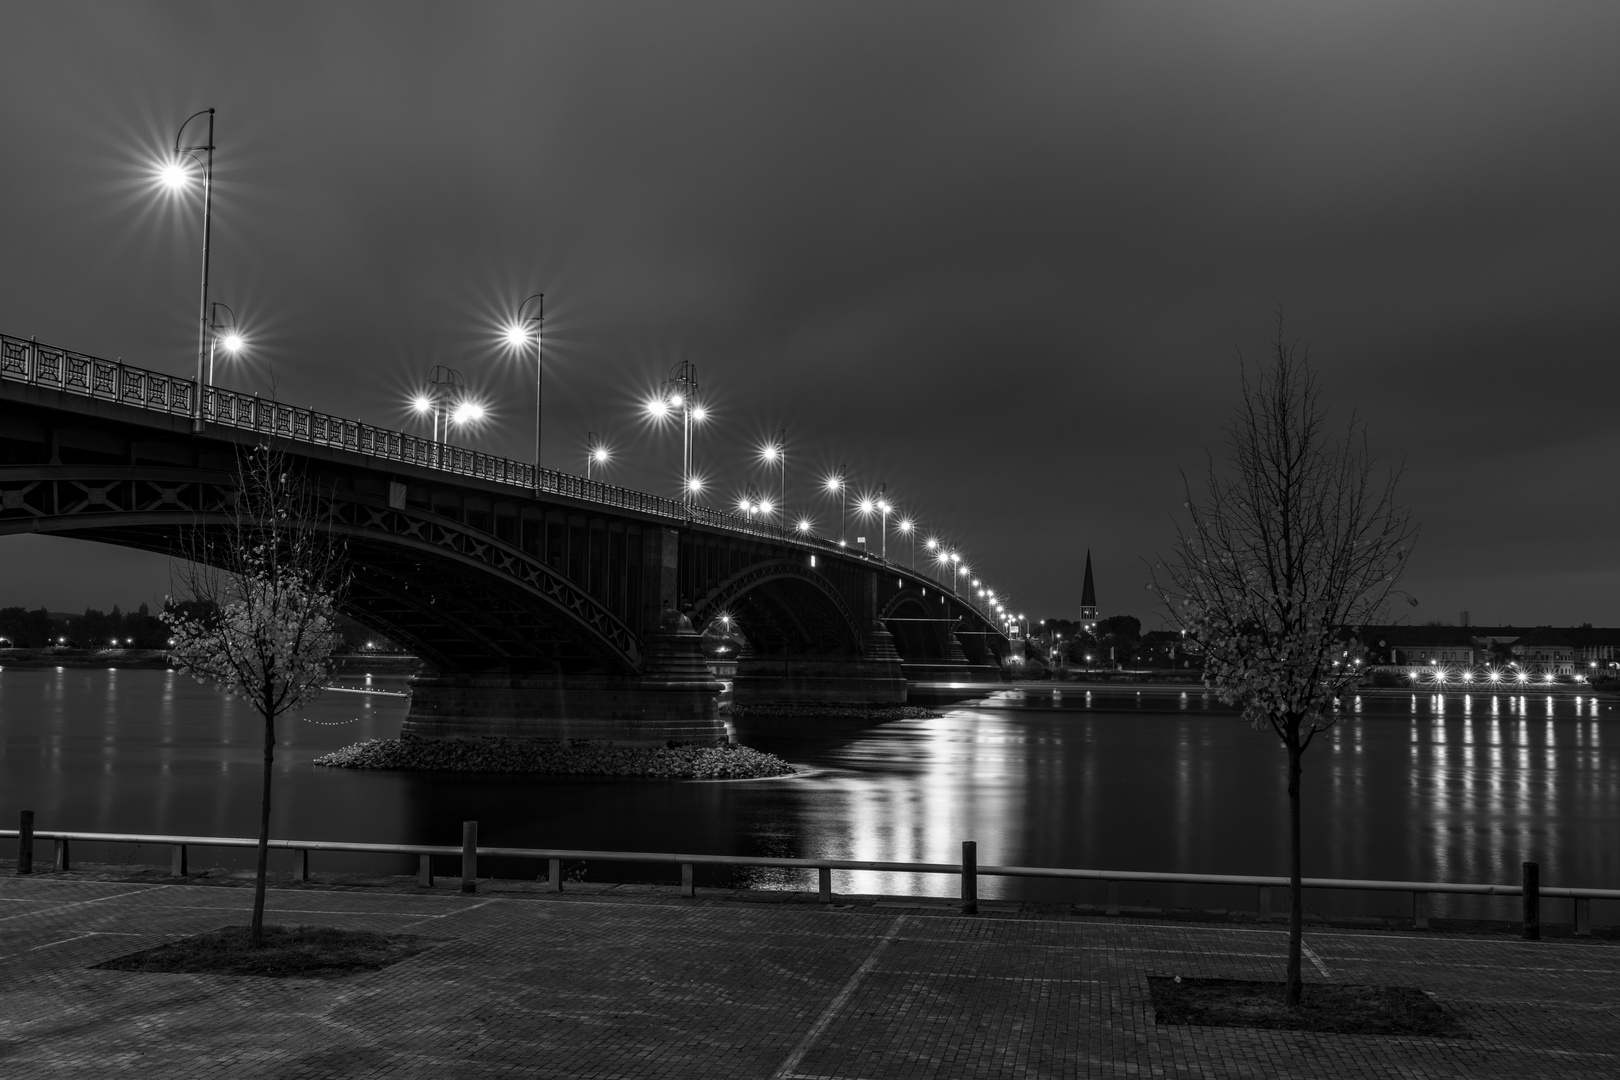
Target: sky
x=1002, y=259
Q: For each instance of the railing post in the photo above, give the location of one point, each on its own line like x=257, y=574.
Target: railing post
x=1113, y=898
x=1420, y=910
x=1532, y=901
x=687, y=886
x=825, y=875
x=1583, y=916
x=25, y=843
x=554, y=875
x=424, y=870
x=300, y=866
x=177, y=861
x=1262, y=904
x=469, y=856
x=62, y=855
x=970, y=877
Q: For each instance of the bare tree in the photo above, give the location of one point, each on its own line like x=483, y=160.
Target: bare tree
x=1288, y=554
x=260, y=596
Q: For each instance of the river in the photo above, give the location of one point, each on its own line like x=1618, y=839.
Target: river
x=1407, y=786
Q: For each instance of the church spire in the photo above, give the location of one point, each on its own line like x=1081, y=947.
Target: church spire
x=1088, y=597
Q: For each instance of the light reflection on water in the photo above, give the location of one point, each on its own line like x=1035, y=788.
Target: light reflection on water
x=1408, y=786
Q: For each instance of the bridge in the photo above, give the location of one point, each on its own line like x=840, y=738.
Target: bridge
x=541, y=603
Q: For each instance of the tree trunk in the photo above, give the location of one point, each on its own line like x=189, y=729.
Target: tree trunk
x=1296, y=904
x=264, y=829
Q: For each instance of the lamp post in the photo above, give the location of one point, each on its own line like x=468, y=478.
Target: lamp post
x=908, y=527
x=232, y=342
x=776, y=453
x=883, y=512
x=680, y=394
x=175, y=175
x=444, y=387
x=933, y=549
x=835, y=488
x=596, y=452
x=517, y=336
x=466, y=413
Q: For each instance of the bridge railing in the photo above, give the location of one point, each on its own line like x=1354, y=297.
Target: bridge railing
x=27, y=361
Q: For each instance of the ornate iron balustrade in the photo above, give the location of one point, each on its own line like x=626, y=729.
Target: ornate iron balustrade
x=28, y=361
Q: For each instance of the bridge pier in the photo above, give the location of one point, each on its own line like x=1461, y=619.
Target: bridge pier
x=674, y=700
x=872, y=676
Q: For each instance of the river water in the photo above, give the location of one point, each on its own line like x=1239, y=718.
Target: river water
x=1447, y=787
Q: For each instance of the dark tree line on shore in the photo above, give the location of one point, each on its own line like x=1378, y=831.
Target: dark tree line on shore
x=38, y=629
x=139, y=629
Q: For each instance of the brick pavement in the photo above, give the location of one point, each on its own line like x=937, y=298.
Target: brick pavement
x=636, y=982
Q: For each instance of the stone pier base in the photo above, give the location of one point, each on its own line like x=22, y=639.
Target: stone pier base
x=874, y=678
x=673, y=700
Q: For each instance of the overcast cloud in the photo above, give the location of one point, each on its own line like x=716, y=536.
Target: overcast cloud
x=1000, y=257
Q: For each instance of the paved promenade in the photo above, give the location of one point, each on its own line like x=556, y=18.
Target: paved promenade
x=604, y=982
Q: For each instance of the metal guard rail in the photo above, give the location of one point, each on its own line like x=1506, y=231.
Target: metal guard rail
x=28, y=361
x=555, y=856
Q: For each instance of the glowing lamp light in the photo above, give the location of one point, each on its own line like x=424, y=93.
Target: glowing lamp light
x=835, y=483
x=933, y=544
x=766, y=506
x=658, y=407
x=699, y=413
x=804, y=525
x=694, y=485
x=421, y=403
x=233, y=342
x=906, y=525
x=173, y=174
x=771, y=452
x=867, y=506
x=468, y=412
x=517, y=335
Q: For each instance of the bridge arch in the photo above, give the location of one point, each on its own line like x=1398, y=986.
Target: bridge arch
x=459, y=598
x=783, y=606
x=921, y=633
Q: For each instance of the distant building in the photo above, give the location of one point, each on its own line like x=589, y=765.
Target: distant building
x=1572, y=651
x=1582, y=650
x=1409, y=645
x=1088, y=599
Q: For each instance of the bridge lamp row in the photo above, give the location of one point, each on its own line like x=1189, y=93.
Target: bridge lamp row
x=660, y=407
x=750, y=506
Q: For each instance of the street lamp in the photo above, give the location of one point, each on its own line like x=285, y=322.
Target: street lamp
x=883, y=511
x=232, y=342
x=834, y=486
x=773, y=453
x=174, y=174
x=680, y=395
x=445, y=388
x=517, y=336
x=596, y=452
x=908, y=527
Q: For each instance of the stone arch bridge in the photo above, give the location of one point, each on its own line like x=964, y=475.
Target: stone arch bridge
x=540, y=602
